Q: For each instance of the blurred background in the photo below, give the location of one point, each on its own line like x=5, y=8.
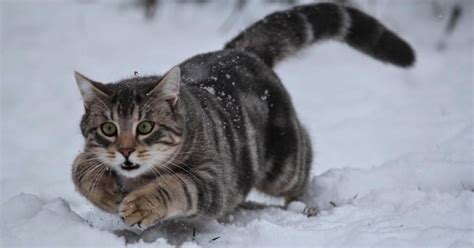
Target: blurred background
x=361, y=114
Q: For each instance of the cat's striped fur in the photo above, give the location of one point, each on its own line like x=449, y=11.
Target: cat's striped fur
x=222, y=121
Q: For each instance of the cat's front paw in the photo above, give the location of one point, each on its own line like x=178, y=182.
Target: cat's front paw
x=143, y=207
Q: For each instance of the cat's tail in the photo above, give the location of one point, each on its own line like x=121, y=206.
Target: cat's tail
x=283, y=33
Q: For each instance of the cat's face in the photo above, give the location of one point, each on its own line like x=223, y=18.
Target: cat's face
x=132, y=126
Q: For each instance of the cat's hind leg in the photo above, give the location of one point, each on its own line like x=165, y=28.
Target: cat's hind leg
x=289, y=169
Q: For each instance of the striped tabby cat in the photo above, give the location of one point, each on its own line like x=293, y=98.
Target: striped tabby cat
x=194, y=142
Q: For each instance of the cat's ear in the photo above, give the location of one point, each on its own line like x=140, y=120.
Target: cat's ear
x=169, y=85
x=90, y=90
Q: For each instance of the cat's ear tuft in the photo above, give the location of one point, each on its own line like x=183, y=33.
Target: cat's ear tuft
x=89, y=88
x=169, y=85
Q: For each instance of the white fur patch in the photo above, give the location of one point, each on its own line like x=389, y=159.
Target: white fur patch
x=346, y=23
x=308, y=30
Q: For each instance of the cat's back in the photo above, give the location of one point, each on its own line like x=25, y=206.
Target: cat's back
x=235, y=81
x=230, y=68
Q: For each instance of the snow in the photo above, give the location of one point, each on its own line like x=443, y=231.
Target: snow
x=265, y=95
x=209, y=89
x=394, y=148
x=29, y=221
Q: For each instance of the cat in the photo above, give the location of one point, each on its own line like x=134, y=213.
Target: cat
x=194, y=142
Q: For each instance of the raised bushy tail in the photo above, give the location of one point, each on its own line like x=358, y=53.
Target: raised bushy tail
x=283, y=33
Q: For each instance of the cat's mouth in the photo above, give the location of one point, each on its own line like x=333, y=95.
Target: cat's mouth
x=127, y=165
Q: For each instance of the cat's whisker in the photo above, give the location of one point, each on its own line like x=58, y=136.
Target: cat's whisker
x=88, y=171
x=173, y=174
x=158, y=174
x=181, y=168
x=97, y=178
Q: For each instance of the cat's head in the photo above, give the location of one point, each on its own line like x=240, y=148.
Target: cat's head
x=132, y=126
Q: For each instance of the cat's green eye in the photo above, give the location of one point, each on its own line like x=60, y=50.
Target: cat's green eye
x=109, y=129
x=145, y=127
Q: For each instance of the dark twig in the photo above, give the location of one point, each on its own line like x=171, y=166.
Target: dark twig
x=456, y=13
x=214, y=239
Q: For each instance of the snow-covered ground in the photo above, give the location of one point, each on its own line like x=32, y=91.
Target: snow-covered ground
x=394, y=164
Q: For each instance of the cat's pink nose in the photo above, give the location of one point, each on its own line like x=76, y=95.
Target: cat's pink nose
x=126, y=151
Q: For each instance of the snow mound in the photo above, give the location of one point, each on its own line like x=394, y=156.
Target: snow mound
x=30, y=221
